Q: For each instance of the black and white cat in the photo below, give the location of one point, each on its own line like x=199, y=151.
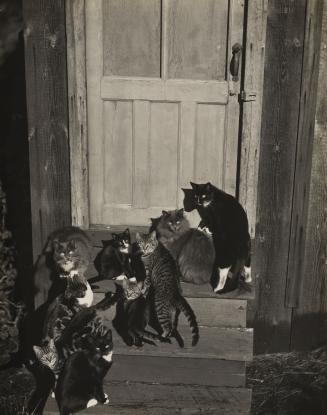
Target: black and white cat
x=192, y=249
x=80, y=383
x=226, y=219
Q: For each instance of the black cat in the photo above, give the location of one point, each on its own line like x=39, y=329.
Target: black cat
x=226, y=219
x=80, y=383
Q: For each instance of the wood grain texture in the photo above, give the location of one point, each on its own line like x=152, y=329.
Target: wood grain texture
x=215, y=343
x=189, y=290
x=76, y=70
x=231, y=141
x=94, y=70
x=310, y=316
x=212, y=312
x=196, y=39
x=131, y=37
x=178, y=371
x=284, y=52
x=251, y=111
x=148, y=399
x=303, y=162
x=173, y=90
x=46, y=90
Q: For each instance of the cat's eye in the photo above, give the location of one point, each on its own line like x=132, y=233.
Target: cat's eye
x=178, y=222
x=97, y=349
x=170, y=222
x=71, y=252
x=203, y=196
x=62, y=254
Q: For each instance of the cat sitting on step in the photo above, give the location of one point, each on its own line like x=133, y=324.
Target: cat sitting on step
x=226, y=219
x=192, y=249
x=67, y=252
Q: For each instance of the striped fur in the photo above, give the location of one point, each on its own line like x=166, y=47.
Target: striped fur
x=162, y=278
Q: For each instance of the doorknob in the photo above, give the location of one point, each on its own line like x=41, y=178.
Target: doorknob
x=235, y=61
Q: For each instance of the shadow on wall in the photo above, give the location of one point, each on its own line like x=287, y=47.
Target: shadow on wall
x=14, y=160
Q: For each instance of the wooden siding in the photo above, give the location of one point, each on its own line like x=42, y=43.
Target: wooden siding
x=46, y=89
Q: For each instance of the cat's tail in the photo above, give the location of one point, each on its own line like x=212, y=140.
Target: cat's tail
x=184, y=306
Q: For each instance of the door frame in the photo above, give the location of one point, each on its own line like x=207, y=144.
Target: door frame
x=250, y=110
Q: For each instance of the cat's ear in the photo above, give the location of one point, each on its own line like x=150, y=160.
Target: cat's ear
x=38, y=351
x=194, y=185
x=126, y=232
x=71, y=244
x=165, y=213
x=153, y=235
x=138, y=237
x=55, y=245
x=208, y=187
x=181, y=212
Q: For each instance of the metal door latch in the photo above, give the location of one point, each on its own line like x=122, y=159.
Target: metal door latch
x=246, y=96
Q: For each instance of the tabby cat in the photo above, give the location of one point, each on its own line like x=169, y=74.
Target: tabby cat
x=67, y=252
x=133, y=313
x=192, y=249
x=162, y=279
x=226, y=219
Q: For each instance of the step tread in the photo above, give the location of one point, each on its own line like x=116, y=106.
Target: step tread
x=189, y=290
x=215, y=342
x=212, y=313
x=156, y=399
x=168, y=370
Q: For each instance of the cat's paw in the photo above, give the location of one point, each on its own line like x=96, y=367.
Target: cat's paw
x=106, y=401
x=247, y=274
x=91, y=402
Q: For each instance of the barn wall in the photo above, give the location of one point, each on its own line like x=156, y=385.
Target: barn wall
x=47, y=109
x=288, y=312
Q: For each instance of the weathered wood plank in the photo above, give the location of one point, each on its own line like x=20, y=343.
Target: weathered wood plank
x=215, y=343
x=174, y=90
x=211, y=312
x=184, y=371
x=76, y=70
x=146, y=399
x=284, y=52
x=190, y=290
x=310, y=316
x=254, y=52
x=46, y=91
x=304, y=152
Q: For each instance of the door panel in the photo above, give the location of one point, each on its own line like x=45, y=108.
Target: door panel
x=196, y=39
x=164, y=107
x=131, y=49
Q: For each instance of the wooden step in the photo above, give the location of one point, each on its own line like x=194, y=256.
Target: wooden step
x=189, y=290
x=215, y=343
x=168, y=370
x=156, y=399
x=212, y=313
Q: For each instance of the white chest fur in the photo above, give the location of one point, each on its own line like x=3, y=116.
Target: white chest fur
x=87, y=300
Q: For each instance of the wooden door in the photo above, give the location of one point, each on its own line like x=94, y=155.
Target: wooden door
x=162, y=106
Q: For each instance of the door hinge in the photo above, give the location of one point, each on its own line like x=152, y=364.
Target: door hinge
x=246, y=96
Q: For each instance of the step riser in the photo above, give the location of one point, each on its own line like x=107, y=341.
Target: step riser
x=177, y=371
